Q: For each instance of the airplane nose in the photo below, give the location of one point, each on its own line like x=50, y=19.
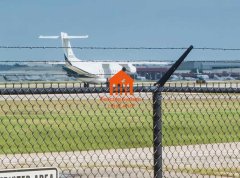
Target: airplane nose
x=134, y=70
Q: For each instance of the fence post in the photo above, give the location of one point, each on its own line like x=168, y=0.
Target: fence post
x=157, y=115
x=157, y=134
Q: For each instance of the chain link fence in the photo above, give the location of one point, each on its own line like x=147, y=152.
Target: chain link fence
x=173, y=131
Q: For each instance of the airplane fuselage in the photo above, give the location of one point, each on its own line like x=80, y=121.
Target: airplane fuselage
x=96, y=72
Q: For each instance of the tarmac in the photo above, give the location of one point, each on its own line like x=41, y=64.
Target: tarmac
x=204, y=160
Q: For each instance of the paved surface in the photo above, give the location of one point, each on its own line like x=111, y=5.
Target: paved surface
x=63, y=84
x=142, y=95
x=178, y=161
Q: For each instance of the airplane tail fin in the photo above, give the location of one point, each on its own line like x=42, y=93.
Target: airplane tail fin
x=198, y=71
x=68, y=52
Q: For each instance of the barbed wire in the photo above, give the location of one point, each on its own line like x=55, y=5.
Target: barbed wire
x=37, y=61
x=119, y=48
x=62, y=62
x=81, y=61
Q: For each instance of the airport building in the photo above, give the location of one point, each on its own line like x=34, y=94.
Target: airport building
x=55, y=72
x=190, y=68
x=209, y=65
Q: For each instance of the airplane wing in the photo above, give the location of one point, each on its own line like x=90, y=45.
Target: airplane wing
x=76, y=70
x=118, y=62
x=163, y=63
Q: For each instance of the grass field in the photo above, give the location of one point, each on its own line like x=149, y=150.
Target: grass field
x=80, y=124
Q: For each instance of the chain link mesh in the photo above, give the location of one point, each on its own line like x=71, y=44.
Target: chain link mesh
x=88, y=133
x=201, y=133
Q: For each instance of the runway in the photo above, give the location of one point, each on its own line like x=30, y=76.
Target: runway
x=97, y=96
x=79, y=83
x=204, y=160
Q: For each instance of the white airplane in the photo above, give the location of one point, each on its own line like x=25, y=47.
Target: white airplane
x=93, y=72
x=216, y=77
x=202, y=76
x=176, y=77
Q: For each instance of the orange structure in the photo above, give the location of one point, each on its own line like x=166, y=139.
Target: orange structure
x=121, y=80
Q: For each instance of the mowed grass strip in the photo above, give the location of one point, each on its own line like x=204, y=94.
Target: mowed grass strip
x=80, y=124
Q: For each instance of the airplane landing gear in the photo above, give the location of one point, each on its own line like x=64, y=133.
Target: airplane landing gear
x=86, y=85
x=107, y=83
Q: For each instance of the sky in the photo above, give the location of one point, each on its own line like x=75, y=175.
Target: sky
x=125, y=23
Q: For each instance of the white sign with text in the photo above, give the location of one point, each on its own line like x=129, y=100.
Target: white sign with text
x=30, y=173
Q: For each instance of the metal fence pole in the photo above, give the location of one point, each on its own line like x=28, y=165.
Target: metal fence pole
x=157, y=115
x=157, y=134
